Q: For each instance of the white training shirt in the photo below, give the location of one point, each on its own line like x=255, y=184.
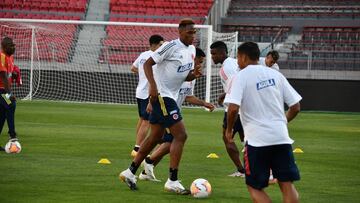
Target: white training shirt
x=228, y=69
x=142, y=89
x=262, y=62
x=174, y=62
x=186, y=89
x=261, y=93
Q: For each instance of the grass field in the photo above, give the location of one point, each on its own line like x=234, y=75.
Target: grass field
x=62, y=143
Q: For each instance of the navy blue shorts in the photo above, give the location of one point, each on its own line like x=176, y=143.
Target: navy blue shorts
x=238, y=128
x=167, y=137
x=259, y=160
x=165, y=112
x=142, y=104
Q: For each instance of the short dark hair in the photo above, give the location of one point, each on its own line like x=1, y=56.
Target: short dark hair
x=274, y=54
x=186, y=21
x=200, y=52
x=251, y=49
x=7, y=41
x=155, y=39
x=220, y=45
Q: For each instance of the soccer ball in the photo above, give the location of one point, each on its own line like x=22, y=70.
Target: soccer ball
x=13, y=147
x=200, y=188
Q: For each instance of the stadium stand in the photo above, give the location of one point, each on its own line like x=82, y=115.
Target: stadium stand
x=49, y=37
x=151, y=11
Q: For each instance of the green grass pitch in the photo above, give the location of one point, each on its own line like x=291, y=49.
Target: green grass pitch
x=62, y=143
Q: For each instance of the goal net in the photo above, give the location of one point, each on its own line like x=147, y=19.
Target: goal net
x=84, y=61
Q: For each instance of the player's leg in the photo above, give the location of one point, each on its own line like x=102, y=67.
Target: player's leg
x=258, y=196
x=176, y=149
x=155, y=157
x=10, y=118
x=2, y=120
x=143, y=126
x=289, y=192
x=128, y=175
x=285, y=170
x=257, y=165
x=232, y=151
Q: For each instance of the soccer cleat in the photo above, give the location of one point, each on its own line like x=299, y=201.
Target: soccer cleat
x=143, y=176
x=2, y=149
x=175, y=186
x=237, y=174
x=133, y=153
x=129, y=178
x=149, y=170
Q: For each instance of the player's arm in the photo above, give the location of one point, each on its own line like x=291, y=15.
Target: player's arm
x=292, y=112
x=5, y=81
x=196, y=101
x=134, y=69
x=221, y=99
x=148, y=69
x=232, y=115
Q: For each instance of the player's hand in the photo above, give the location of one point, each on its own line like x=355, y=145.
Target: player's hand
x=149, y=108
x=209, y=106
x=229, y=136
x=221, y=99
x=12, y=98
x=197, y=71
x=153, y=92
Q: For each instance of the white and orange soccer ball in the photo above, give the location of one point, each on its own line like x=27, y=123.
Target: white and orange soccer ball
x=200, y=188
x=13, y=147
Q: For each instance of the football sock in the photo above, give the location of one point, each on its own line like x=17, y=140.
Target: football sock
x=136, y=148
x=173, y=174
x=148, y=160
x=133, y=167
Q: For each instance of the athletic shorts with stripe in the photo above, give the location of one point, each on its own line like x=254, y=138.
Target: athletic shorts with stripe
x=259, y=160
x=165, y=112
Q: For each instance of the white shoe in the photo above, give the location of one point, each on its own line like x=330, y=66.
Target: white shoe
x=129, y=178
x=147, y=177
x=149, y=170
x=175, y=186
x=237, y=174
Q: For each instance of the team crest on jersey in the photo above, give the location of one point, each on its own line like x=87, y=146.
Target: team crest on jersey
x=175, y=116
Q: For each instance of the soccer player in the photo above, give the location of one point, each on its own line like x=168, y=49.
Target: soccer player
x=142, y=91
x=229, y=69
x=270, y=60
x=260, y=94
x=185, y=94
x=7, y=99
x=175, y=64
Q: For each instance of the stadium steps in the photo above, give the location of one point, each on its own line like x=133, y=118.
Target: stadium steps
x=91, y=34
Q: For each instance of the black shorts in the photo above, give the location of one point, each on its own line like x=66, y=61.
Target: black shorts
x=142, y=104
x=259, y=160
x=167, y=137
x=237, y=126
x=165, y=112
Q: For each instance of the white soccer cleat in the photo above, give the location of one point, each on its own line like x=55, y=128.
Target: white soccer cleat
x=143, y=176
x=129, y=178
x=237, y=174
x=176, y=187
x=149, y=170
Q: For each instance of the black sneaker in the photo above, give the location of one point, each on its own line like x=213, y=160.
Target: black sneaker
x=2, y=149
